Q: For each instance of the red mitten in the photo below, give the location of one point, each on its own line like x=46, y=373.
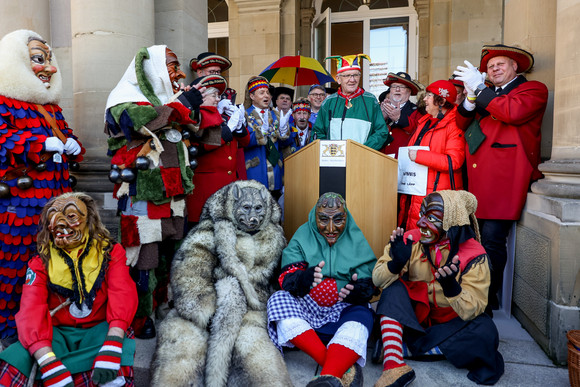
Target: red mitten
x=325, y=293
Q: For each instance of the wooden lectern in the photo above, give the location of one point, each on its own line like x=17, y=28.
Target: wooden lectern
x=368, y=182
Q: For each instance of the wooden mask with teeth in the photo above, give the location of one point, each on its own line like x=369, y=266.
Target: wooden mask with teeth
x=68, y=222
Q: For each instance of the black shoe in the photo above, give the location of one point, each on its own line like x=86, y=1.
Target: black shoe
x=148, y=330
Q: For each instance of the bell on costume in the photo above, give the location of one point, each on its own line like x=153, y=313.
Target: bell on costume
x=4, y=191
x=72, y=181
x=40, y=167
x=142, y=163
x=115, y=175
x=193, y=163
x=186, y=134
x=24, y=182
x=74, y=166
x=128, y=175
x=193, y=151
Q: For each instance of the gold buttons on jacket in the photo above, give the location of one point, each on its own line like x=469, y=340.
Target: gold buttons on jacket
x=474, y=165
x=229, y=157
x=229, y=172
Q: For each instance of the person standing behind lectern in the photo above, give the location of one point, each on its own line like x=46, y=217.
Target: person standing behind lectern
x=351, y=113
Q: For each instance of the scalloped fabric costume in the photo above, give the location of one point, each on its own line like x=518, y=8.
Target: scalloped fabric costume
x=23, y=131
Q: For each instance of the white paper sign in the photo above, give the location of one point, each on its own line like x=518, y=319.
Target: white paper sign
x=333, y=153
x=412, y=176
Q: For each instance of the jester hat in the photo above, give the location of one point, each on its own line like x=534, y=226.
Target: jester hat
x=349, y=62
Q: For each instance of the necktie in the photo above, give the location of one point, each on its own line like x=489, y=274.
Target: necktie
x=498, y=90
x=262, y=111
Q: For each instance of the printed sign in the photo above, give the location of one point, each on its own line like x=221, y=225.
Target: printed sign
x=333, y=153
x=412, y=176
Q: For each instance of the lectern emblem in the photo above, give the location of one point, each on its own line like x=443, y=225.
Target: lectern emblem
x=333, y=150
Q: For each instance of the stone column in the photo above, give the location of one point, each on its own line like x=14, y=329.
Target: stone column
x=183, y=28
x=256, y=41
x=547, y=269
x=106, y=35
x=26, y=14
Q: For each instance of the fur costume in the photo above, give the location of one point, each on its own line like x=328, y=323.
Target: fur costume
x=217, y=334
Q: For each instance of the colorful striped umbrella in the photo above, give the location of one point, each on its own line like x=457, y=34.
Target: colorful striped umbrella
x=297, y=70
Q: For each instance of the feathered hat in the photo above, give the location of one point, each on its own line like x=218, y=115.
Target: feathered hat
x=348, y=62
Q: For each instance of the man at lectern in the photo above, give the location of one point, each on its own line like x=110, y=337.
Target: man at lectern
x=351, y=113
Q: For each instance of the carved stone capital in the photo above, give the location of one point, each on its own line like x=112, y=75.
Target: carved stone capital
x=258, y=6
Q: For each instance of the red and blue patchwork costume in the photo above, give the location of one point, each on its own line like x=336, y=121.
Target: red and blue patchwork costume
x=23, y=131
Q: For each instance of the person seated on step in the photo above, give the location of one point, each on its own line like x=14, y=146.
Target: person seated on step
x=326, y=285
x=77, y=303
x=434, y=283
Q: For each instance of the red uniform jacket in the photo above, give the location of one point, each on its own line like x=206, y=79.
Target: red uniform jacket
x=216, y=168
x=444, y=139
x=501, y=170
x=115, y=302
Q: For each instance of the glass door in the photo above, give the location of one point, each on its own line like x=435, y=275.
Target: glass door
x=389, y=50
x=321, y=37
x=388, y=35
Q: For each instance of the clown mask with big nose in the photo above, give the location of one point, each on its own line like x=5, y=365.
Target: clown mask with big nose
x=68, y=222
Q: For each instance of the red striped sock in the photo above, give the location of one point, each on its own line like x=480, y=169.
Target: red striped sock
x=338, y=359
x=310, y=343
x=392, y=336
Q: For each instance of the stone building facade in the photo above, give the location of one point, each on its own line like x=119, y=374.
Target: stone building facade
x=95, y=40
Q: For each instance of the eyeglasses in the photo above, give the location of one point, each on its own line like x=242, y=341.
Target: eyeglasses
x=348, y=76
x=214, y=72
x=429, y=94
x=317, y=95
x=399, y=87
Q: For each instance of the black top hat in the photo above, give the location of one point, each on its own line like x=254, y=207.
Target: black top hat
x=282, y=90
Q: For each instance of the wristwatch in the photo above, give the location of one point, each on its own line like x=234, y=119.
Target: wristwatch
x=480, y=88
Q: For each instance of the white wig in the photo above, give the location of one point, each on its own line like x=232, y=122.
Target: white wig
x=17, y=80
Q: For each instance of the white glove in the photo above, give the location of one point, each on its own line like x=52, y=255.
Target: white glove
x=72, y=147
x=53, y=144
x=284, y=119
x=470, y=76
x=470, y=91
x=223, y=105
x=230, y=110
x=234, y=122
